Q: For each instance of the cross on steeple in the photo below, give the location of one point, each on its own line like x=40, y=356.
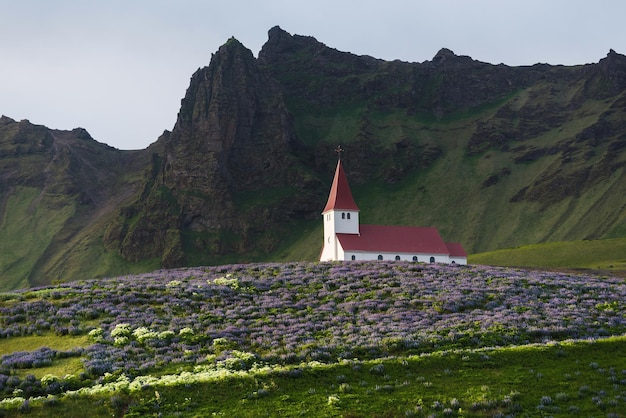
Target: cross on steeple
x=339, y=150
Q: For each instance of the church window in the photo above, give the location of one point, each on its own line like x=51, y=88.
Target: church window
x=380, y=257
x=397, y=258
x=343, y=215
x=348, y=216
x=414, y=258
x=353, y=257
x=432, y=259
x=329, y=240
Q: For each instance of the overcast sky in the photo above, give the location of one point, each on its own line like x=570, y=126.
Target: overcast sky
x=119, y=68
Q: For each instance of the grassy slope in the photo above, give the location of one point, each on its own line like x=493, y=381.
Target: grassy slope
x=482, y=386
x=78, y=251
x=608, y=255
x=27, y=228
x=482, y=218
x=83, y=256
x=37, y=231
x=558, y=379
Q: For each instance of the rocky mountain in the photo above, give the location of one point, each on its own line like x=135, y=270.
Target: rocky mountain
x=228, y=173
x=56, y=188
x=492, y=155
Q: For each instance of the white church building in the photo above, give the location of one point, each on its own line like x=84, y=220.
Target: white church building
x=345, y=239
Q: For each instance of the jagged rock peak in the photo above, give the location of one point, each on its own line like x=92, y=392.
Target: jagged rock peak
x=614, y=57
x=5, y=120
x=446, y=56
x=82, y=133
x=613, y=69
x=277, y=34
x=612, y=53
x=230, y=70
x=443, y=53
x=233, y=47
x=280, y=42
x=233, y=42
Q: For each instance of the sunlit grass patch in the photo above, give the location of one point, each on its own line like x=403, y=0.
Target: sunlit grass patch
x=64, y=362
x=59, y=368
x=472, y=383
x=33, y=342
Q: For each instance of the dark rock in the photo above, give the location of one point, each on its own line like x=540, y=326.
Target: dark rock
x=233, y=136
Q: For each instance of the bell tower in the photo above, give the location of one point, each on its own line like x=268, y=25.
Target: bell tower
x=340, y=215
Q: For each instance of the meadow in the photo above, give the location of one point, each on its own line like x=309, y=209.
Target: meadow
x=317, y=339
x=605, y=256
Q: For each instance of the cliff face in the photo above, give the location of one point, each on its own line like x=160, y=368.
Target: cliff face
x=233, y=141
x=494, y=156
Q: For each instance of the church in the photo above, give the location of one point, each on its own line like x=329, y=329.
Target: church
x=345, y=239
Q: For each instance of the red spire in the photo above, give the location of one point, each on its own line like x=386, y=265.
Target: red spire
x=340, y=197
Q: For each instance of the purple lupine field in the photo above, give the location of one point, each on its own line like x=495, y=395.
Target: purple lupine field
x=290, y=313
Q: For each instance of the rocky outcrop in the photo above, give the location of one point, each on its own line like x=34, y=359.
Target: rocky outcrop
x=323, y=76
x=62, y=163
x=608, y=77
x=233, y=138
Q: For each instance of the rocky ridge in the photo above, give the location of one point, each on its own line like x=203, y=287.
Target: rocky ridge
x=452, y=142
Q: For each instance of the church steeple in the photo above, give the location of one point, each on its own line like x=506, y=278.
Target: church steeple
x=341, y=215
x=340, y=197
x=346, y=239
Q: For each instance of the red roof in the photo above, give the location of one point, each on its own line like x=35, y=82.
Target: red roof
x=340, y=197
x=456, y=249
x=395, y=239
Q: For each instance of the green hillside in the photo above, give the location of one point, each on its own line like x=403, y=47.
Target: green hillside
x=27, y=227
x=604, y=255
x=478, y=199
x=34, y=227
x=493, y=156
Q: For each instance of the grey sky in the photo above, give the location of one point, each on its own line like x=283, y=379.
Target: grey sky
x=119, y=68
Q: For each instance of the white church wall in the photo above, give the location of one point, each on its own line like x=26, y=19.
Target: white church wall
x=346, y=222
x=331, y=249
x=327, y=253
x=328, y=225
x=422, y=258
x=458, y=260
x=341, y=255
